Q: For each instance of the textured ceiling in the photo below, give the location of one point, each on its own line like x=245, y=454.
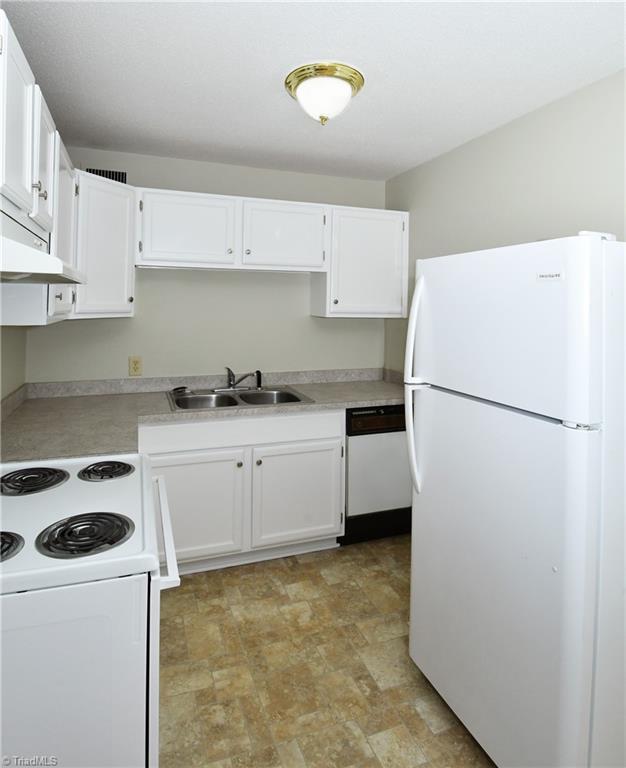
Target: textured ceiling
x=204, y=80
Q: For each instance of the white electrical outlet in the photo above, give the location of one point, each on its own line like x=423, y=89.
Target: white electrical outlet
x=135, y=365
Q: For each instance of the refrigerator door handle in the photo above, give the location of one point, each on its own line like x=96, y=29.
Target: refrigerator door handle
x=410, y=339
x=410, y=433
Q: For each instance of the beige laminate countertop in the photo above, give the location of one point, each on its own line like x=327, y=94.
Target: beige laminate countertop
x=91, y=425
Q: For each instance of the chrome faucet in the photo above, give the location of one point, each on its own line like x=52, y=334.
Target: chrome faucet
x=232, y=380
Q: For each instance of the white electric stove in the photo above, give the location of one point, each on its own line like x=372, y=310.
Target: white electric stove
x=80, y=587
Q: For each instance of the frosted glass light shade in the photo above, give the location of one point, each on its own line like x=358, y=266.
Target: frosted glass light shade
x=323, y=97
x=324, y=88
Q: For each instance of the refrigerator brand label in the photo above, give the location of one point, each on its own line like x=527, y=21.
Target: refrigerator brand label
x=550, y=276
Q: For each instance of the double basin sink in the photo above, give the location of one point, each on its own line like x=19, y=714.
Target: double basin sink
x=186, y=399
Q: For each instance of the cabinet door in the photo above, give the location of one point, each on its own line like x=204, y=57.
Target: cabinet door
x=206, y=496
x=44, y=139
x=368, y=274
x=297, y=492
x=106, y=239
x=289, y=235
x=63, y=238
x=183, y=229
x=17, y=83
x=59, y=300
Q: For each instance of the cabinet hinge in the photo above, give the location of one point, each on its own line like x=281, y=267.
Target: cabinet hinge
x=342, y=451
x=341, y=519
x=140, y=246
x=1, y=44
x=323, y=255
x=324, y=219
x=141, y=205
x=76, y=190
x=403, y=226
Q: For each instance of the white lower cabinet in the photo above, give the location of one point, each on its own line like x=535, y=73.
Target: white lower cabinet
x=206, y=496
x=296, y=492
x=240, y=488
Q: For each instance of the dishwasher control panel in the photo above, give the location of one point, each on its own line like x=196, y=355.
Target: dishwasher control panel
x=375, y=420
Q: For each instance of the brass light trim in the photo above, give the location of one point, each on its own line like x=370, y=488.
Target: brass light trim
x=324, y=69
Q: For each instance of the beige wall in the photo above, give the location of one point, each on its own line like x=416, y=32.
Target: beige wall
x=195, y=322
x=13, y=359
x=553, y=172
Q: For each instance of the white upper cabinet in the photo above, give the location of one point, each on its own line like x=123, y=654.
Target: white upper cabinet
x=44, y=140
x=17, y=83
x=34, y=303
x=63, y=240
x=358, y=257
x=368, y=267
x=105, y=247
x=63, y=237
x=280, y=235
x=186, y=229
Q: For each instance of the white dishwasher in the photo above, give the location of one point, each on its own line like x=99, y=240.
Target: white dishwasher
x=378, y=483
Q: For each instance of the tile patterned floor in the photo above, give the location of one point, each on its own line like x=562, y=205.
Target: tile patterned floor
x=302, y=663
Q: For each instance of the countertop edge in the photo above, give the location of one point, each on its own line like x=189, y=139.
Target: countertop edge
x=183, y=417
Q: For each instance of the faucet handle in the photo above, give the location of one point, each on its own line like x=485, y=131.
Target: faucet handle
x=230, y=375
x=259, y=379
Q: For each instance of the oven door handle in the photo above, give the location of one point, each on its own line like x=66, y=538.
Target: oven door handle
x=172, y=579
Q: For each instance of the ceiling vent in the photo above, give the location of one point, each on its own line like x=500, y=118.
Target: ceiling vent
x=113, y=175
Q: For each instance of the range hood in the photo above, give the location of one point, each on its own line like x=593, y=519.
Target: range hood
x=24, y=257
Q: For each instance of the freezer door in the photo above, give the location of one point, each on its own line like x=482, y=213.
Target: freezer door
x=504, y=574
x=520, y=325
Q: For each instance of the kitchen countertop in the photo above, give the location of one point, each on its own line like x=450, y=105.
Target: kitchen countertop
x=90, y=425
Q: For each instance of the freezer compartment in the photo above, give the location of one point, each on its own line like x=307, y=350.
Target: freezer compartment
x=520, y=325
x=504, y=561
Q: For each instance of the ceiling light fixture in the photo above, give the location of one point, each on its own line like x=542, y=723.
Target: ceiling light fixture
x=324, y=89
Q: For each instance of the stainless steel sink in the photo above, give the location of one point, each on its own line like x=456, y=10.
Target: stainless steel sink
x=269, y=397
x=192, y=400
x=186, y=399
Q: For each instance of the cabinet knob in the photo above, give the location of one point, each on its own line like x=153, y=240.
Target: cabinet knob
x=58, y=296
x=37, y=186
x=44, y=194
x=131, y=299
x=240, y=464
x=259, y=462
x=248, y=251
x=335, y=301
x=229, y=251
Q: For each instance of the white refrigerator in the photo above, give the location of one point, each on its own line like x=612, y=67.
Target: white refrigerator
x=514, y=391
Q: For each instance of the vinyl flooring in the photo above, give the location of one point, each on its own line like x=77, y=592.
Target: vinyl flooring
x=302, y=662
